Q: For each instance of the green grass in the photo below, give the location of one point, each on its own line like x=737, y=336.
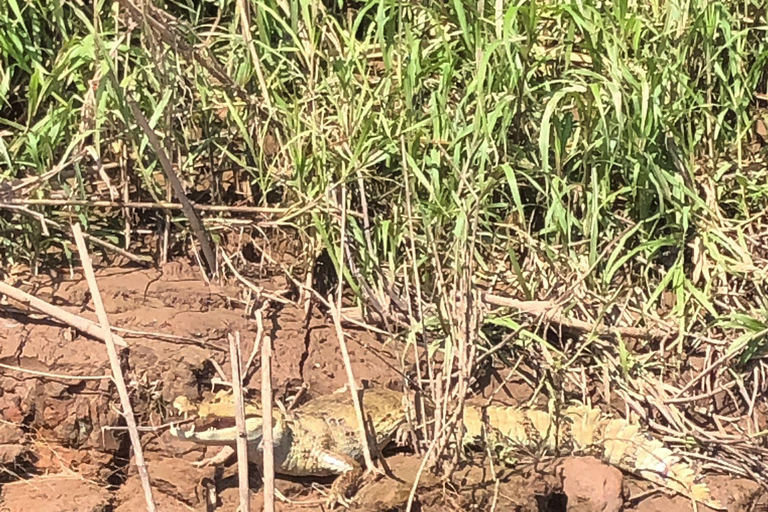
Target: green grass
x=608, y=144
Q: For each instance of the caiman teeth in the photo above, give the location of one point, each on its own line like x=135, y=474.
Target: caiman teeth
x=178, y=431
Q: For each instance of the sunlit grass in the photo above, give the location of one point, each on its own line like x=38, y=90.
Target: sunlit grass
x=599, y=153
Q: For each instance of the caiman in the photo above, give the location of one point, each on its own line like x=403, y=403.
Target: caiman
x=321, y=438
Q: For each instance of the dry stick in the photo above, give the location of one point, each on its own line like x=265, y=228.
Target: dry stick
x=93, y=240
x=162, y=205
x=426, y=458
x=168, y=338
x=322, y=300
x=258, y=290
x=78, y=322
x=178, y=188
x=114, y=361
x=549, y=309
x=336, y=314
x=266, y=415
x=166, y=223
x=257, y=341
x=417, y=284
x=50, y=375
x=242, y=434
x=353, y=389
x=126, y=186
x=17, y=186
x=706, y=371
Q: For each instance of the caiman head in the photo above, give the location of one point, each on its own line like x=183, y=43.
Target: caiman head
x=214, y=420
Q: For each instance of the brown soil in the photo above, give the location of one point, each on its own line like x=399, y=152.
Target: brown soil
x=60, y=449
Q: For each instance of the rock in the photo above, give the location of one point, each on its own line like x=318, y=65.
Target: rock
x=591, y=486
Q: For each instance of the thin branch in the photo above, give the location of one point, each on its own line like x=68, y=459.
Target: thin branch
x=266, y=415
x=427, y=456
x=16, y=187
x=336, y=314
x=259, y=338
x=352, y=388
x=79, y=323
x=258, y=290
x=161, y=23
x=48, y=222
x=49, y=375
x=550, y=310
x=163, y=205
x=114, y=361
x=242, y=434
x=245, y=26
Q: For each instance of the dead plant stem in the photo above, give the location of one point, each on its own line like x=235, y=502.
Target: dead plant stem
x=114, y=361
x=416, y=323
x=82, y=324
x=92, y=239
x=242, y=434
x=336, y=314
x=266, y=412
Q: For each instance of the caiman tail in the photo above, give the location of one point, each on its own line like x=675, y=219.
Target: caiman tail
x=582, y=430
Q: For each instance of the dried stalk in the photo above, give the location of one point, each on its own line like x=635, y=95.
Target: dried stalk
x=48, y=222
x=427, y=457
x=52, y=376
x=162, y=205
x=314, y=293
x=161, y=23
x=117, y=373
x=266, y=415
x=78, y=322
x=258, y=290
x=412, y=247
x=550, y=310
x=353, y=389
x=16, y=187
x=242, y=434
x=245, y=27
x=336, y=314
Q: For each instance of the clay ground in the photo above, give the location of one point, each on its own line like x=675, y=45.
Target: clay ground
x=62, y=447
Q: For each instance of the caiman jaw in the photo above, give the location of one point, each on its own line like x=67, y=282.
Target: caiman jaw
x=219, y=435
x=215, y=420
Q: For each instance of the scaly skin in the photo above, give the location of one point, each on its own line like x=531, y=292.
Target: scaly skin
x=321, y=438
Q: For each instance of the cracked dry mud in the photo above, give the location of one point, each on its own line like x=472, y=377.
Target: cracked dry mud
x=62, y=448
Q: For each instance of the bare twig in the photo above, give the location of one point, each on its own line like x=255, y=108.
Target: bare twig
x=266, y=416
x=414, y=260
x=114, y=361
x=550, y=310
x=258, y=290
x=314, y=293
x=336, y=314
x=427, y=457
x=160, y=22
x=162, y=205
x=242, y=435
x=49, y=375
x=15, y=188
x=92, y=239
x=352, y=388
x=79, y=323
